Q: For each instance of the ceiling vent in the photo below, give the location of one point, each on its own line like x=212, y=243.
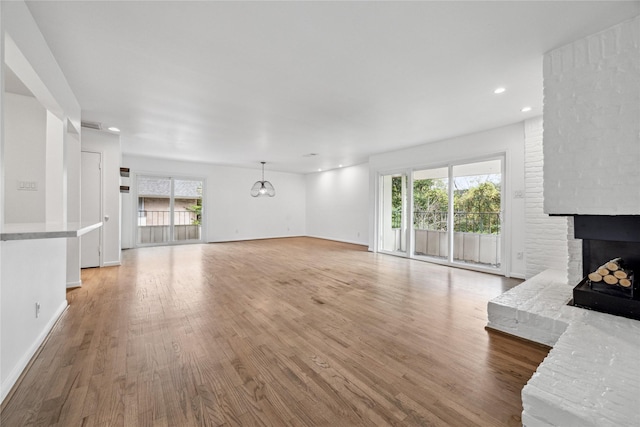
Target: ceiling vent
x=92, y=125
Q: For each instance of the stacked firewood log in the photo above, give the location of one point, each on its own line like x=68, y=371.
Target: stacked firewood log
x=612, y=273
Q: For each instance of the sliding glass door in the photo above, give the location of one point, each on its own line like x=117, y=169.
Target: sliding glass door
x=431, y=213
x=477, y=197
x=454, y=212
x=169, y=210
x=187, y=209
x=393, y=214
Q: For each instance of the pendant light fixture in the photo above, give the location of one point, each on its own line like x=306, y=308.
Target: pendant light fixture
x=263, y=188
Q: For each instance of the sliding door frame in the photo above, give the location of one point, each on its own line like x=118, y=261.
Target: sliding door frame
x=408, y=206
x=171, y=241
x=505, y=206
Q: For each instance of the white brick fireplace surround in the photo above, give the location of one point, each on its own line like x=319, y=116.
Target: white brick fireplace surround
x=591, y=376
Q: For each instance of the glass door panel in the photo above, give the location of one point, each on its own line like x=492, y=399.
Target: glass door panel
x=430, y=212
x=169, y=210
x=154, y=210
x=393, y=213
x=477, y=204
x=187, y=209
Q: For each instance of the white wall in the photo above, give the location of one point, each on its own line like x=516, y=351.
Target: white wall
x=230, y=213
x=108, y=145
x=25, y=282
x=3, y=95
x=26, y=52
x=592, y=124
x=56, y=175
x=25, y=158
x=30, y=270
x=508, y=140
x=73, y=168
x=337, y=205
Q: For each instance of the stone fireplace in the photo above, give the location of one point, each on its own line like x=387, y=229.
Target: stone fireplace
x=591, y=140
x=586, y=158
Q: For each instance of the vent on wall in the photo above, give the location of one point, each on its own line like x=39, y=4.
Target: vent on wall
x=92, y=125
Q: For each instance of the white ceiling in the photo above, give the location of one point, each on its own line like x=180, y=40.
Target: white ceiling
x=240, y=82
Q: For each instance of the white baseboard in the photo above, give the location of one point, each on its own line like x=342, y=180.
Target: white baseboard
x=11, y=379
x=74, y=284
x=247, y=239
x=111, y=264
x=288, y=237
x=353, y=242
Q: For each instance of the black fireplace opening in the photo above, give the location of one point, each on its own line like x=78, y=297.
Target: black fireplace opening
x=603, y=239
x=607, y=237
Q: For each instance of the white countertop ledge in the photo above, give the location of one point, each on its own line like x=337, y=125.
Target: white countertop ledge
x=40, y=230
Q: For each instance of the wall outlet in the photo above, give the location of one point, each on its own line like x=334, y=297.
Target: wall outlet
x=518, y=194
x=37, y=310
x=519, y=255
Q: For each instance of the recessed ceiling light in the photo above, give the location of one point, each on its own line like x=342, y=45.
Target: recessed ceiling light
x=113, y=129
x=499, y=90
x=526, y=109
x=310, y=155
x=319, y=170
x=339, y=166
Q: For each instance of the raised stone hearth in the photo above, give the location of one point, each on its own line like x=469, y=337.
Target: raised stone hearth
x=535, y=310
x=591, y=376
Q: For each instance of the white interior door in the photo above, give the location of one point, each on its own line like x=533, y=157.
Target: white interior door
x=91, y=207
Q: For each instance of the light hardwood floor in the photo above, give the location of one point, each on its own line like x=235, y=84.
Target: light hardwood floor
x=277, y=332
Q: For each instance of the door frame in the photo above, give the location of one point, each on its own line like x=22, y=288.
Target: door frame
x=134, y=209
x=100, y=230
x=505, y=207
x=378, y=213
x=503, y=198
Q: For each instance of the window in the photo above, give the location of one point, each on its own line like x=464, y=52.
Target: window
x=169, y=210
